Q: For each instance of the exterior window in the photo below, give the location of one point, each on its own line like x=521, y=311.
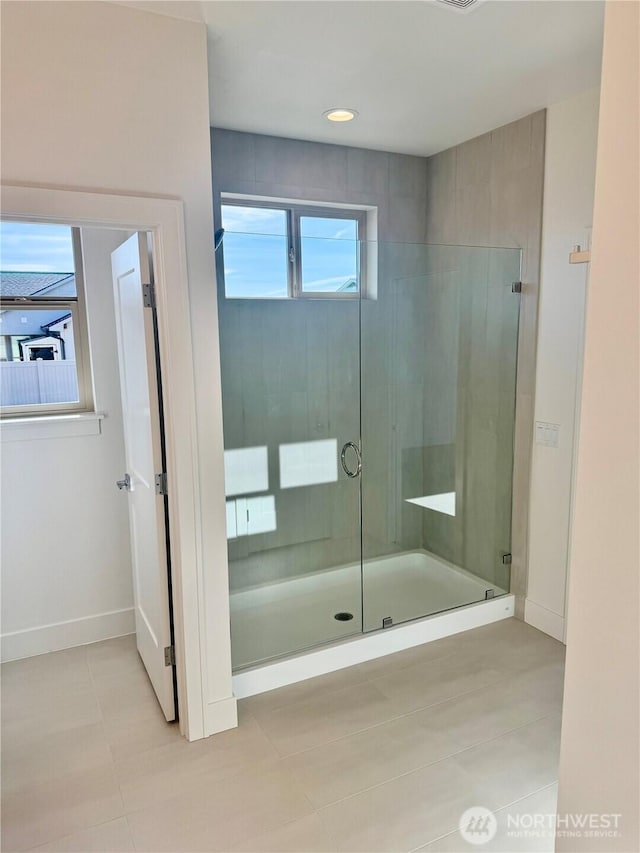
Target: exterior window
x=274, y=251
x=44, y=367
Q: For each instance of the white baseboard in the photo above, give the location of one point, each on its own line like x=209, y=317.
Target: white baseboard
x=544, y=620
x=220, y=716
x=65, y=635
x=369, y=646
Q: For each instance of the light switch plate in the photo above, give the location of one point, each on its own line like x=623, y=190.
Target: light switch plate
x=547, y=434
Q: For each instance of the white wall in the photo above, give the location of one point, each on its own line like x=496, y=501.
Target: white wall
x=570, y=158
x=105, y=97
x=66, y=568
x=600, y=744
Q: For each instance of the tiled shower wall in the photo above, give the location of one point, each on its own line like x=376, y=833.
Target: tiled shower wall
x=290, y=168
x=290, y=368
x=487, y=191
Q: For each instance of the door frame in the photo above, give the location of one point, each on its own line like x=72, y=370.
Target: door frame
x=163, y=218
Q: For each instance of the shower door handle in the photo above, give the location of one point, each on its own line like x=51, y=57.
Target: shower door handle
x=343, y=459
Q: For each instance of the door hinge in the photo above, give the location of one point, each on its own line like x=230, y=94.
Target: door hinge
x=169, y=656
x=387, y=622
x=148, y=296
x=161, y=483
x=489, y=593
x=516, y=287
x=506, y=559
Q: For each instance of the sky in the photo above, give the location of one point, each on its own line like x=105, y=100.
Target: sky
x=256, y=252
x=29, y=247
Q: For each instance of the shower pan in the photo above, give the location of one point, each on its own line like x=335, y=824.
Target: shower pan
x=369, y=450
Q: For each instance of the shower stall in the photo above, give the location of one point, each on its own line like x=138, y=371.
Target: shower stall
x=368, y=441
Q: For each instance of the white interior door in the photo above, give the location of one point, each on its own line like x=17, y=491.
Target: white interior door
x=143, y=451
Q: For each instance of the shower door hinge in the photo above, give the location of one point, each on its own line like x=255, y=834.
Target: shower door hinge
x=169, y=656
x=516, y=287
x=506, y=559
x=161, y=483
x=387, y=622
x=489, y=593
x=148, y=296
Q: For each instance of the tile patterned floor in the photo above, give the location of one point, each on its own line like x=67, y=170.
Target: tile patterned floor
x=384, y=756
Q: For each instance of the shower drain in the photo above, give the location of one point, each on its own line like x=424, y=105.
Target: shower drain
x=343, y=616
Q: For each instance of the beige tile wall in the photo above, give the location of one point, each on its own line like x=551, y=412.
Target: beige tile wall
x=488, y=192
x=470, y=342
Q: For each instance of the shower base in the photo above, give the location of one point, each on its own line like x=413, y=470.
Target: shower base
x=299, y=614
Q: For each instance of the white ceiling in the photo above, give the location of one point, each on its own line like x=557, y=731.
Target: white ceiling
x=423, y=76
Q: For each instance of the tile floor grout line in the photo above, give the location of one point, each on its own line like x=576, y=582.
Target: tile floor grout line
x=275, y=762
x=394, y=719
x=249, y=767
x=451, y=653
x=397, y=716
x=95, y=696
x=287, y=822
x=111, y=759
x=104, y=731
x=366, y=678
x=439, y=761
x=280, y=824
x=372, y=681
x=327, y=691
x=520, y=799
x=132, y=839
x=419, y=711
x=389, y=719
x=75, y=832
x=116, y=777
x=495, y=811
x=266, y=734
x=373, y=677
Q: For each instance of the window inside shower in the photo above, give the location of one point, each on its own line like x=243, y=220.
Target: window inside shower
x=369, y=447
x=291, y=251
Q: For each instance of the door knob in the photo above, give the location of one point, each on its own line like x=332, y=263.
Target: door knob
x=124, y=484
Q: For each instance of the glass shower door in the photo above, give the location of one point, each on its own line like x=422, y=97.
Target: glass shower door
x=438, y=367
x=291, y=392
x=417, y=373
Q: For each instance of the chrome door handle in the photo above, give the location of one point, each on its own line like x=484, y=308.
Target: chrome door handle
x=124, y=484
x=343, y=459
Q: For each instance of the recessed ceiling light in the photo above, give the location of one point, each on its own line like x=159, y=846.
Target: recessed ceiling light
x=460, y=4
x=340, y=114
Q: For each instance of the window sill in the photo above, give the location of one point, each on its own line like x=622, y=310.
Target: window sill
x=51, y=426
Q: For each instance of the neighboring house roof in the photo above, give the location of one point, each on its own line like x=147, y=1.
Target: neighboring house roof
x=32, y=284
x=35, y=283
x=48, y=326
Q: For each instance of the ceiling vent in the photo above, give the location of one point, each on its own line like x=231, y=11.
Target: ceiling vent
x=459, y=4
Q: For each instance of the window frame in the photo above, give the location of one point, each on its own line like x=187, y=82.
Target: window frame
x=77, y=308
x=294, y=211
